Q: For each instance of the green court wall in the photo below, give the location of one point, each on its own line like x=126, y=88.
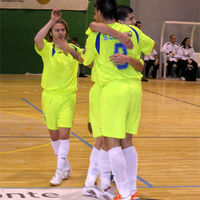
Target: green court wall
x=18, y=28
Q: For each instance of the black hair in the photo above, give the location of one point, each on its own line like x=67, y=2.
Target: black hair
x=107, y=8
x=75, y=39
x=138, y=22
x=122, y=12
x=184, y=41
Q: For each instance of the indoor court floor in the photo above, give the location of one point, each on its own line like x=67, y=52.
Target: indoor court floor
x=168, y=142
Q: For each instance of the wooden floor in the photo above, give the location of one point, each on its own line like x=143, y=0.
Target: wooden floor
x=168, y=141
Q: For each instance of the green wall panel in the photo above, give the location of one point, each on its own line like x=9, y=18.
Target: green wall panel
x=18, y=28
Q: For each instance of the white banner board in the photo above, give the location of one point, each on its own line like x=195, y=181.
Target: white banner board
x=43, y=194
x=45, y=4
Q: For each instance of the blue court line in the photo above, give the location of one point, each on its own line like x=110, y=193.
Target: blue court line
x=145, y=182
x=32, y=105
x=82, y=140
x=171, y=98
x=142, y=180
x=141, y=187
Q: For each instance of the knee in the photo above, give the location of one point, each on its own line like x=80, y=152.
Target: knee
x=99, y=143
x=54, y=135
x=127, y=142
x=64, y=133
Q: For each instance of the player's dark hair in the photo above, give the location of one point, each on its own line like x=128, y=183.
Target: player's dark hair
x=107, y=8
x=122, y=12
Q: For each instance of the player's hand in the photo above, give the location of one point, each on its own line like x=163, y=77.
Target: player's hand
x=56, y=14
x=62, y=44
x=119, y=59
x=125, y=40
x=91, y=65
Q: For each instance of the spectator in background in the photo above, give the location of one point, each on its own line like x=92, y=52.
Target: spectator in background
x=75, y=41
x=172, y=50
x=81, y=67
x=151, y=60
x=138, y=24
x=186, y=58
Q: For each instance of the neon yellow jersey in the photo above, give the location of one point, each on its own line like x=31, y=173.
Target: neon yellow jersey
x=99, y=47
x=146, y=44
x=88, y=31
x=93, y=70
x=59, y=69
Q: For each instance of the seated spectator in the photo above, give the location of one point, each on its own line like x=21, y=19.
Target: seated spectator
x=172, y=50
x=151, y=60
x=186, y=58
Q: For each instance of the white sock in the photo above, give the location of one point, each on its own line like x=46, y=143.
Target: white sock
x=93, y=169
x=55, y=145
x=105, y=169
x=67, y=165
x=119, y=170
x=130, y=155
x=62, y=154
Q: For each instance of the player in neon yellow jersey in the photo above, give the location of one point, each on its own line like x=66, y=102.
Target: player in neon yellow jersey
x=90, y=189
x=125, y=15
x=118, y=84
x=59, y=83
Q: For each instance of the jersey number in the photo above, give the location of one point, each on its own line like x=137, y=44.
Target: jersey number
x=119, y=46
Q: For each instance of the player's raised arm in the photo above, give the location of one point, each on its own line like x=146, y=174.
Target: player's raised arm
x=55, y=15
x=105, y=29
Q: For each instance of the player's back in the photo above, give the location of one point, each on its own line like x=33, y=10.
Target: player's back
x=107, y=46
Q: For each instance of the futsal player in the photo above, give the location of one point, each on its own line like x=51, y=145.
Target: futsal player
x=59, y=83
x=125, y=15
x=120, y=89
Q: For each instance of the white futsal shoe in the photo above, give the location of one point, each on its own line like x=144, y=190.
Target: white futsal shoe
x=57, y=179
x=92, y=191
x=108, y=194
x=66, y=174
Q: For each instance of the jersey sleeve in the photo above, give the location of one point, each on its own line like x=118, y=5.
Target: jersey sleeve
x=88, y=31
x=90, y=50
x=78, y=49
x=44, y=50
x=146, y=44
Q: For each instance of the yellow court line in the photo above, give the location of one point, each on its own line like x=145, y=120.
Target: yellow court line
x=25, y=149
x=20, y=114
